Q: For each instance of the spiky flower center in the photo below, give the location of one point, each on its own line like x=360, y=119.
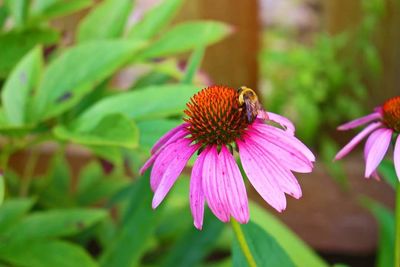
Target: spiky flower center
x=215, y=116
x=391, y=113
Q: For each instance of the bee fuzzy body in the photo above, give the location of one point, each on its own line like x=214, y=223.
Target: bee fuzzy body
x=248, y=101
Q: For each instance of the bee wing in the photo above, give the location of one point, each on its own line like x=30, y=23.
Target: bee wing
x=251, y=109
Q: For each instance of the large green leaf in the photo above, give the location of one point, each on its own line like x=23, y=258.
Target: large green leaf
x=185, y=37
x=297, y=250
x=45, y=253
x=47, y=9
x=136, y=231
x=193, y=65
x=12, y=211
x=151, y=130
x=112, y=130
x=106, y=21
x=151, y=102
x=255, y=247
x=194, y=245
x=155, y=20
x=18, y=10
x=18, y=88
x=14, y=45
x=72, y=75
x=386, y=222
x=55, y=223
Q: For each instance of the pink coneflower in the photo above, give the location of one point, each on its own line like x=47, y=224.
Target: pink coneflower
x=383, y=124
x=217, y=124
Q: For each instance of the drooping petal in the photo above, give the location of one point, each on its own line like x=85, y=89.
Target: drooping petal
x=360, y=121
x=212, y=185
x=168, y=166
x=285, y=122
x=397, y=157
x=196, y=192
x=283, y=139
x=234, y=187
x=148, y=163
x=357, y=139
x=166, y=137
x=377, y=150
x=260, y=175
x=289, y=156
x=371, y=139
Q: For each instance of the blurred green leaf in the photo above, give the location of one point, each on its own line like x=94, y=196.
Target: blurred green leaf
x=106, y=21
x=193, y=65
x=48, y=253
x=298, y=251
x=151, y=130
x=386, y=224
x=386, y=168
x=18, y=88
x=18, y=10
x=73, y=74
x=335, y=169
x=309, y=120
x=138, y=226
x=47, y=9
x=111, y=130
x=260, y=246
x=153, y=21
x=93, y=185
x=2, y=189
x=14, y=45
x=176, y=40
x=194, y=245
x=55, y=223
x=3, y=15
x=12, y=211
x=151, y=102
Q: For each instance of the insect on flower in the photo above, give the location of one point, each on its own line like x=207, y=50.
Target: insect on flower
x=219, y=121
x=383, y=124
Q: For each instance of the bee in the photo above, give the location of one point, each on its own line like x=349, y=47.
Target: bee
x=248, y=100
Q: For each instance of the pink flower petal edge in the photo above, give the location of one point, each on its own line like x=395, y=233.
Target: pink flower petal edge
x=377, y=150
x=397, y=157
x=360, y=121
x=167, y=137
x=196, y=192
x=283, y=121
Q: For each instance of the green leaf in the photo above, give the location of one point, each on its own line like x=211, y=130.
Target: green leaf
x=297, y=250
x=136, y=231
x=14, y=45
x=18, y=10
x=55, y=223
x=151, y=102
x=386, y=224
x=155, y=20
x=111, y=130
x=194, y=245
x=185, y=37
x=39, y=253
x=47, y=9
x=151, y=130
x=193, y=65
x=2, y=189
x=3, y=15
x=18, y=87
x=72, y=75
x=106, y=21
x=255, y=247
x=386, y=168
x=12, y=211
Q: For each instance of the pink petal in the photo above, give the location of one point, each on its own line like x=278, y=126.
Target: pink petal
x=283, y=139
x=166, y=137
x=377, y=150
x=196, y=192
x=357, y=139
x=168, y=166
x=360, y=121
x=285, y=122
x=233, y=187
x=148, y=163
x=212, y=185
x=397, y=157
x=288, y=156
x=371, y=139
x=260, y=175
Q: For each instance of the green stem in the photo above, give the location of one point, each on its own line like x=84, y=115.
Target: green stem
x=28, y=173
x=397, y=231
x=242, y=242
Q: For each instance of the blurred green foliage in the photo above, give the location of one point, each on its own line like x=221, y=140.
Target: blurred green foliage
x=62, y=92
